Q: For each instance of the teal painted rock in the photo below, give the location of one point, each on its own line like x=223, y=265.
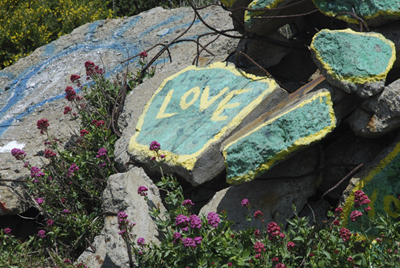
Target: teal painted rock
x=380, y=181
x=196, y=109
x=353, y=61
x=374, y=12
x=302, y=121
x=265, y=26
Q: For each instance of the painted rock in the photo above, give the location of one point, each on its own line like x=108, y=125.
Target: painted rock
x=375, y=12
x=193, y=111
x=298, y=122
x=380, y=182
x=353, y=61
x=254, y=22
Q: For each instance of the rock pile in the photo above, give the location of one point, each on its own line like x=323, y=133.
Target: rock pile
x=283, y=137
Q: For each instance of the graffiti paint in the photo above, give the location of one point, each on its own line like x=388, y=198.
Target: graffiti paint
x=195, y=108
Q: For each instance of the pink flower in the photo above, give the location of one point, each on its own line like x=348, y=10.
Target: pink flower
x=18, y=154
x=355, y=214
x=74, y=77
x=100, y=123
x=311, y=254
x=258, y=246
x=245, y=203
x=336, y=222
x=143, y=54
x=42, y=234
x=73, y=168
x=142, y=191
x=189, y=242
x=198, y=239
x=257, y=233
x=339, y=210
x=280, y=265
x=229, y=264
x=182, y=221
x=350, y=259
x=187, y=203
x=39, y=201
x=84, y=132
x=67, y=261
x=102, y=152
x=154, y=146
x=7, y=230
x=122, y=232
x=70, y=93
x=275, y=259
x=66, y=211
x=195, y=222
x=274, y=230
x=42, y=124
x=94, y=121
x=176, y=236
x=336, y=251
x=290, y=245
x=345, y=234
x=367, y=209
x=67, y=109
x=213, y=219
x=50, y=222
x=258, y=215
x=62, y=200
x=257, y=256
x=49, y=153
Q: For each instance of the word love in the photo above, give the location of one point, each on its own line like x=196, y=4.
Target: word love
x=191, y=96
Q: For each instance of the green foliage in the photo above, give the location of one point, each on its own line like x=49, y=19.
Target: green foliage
x=133, y=7
x=28, y=24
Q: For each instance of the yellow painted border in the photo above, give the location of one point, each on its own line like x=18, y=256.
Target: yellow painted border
x=356, y=80
x=386, y=13
x=188, y=161
x=248, y=16
x=298, y=143
x=347, y=207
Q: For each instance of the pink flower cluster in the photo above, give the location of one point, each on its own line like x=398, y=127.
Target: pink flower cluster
x=345, y=234
x=274, y=230
x=191, y=243
x=84, y=132
x=154, y=146
x=70, y=94
x=182, y=221
x=355, y=214
x=360, y=198
x=101, y=152
x=36, y=172
x=187, y=203
x=18, y=154
x=73, y=168
x=290, y=245
x=42, y=234
x=195, y=222
x=142, y=191
x=258, y=247
x=92, y=70
x=49, y=153
x=213, y=219
x=42, y=124
x=124, y=223
x=245, y=203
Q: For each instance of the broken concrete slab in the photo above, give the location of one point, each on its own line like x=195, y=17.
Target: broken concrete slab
x=380, y=181
x=276, y=136
x=258, y=22
x=353, y=61
x=121, y=194
x=374, y=12
x=194, y=111
x=379, y=115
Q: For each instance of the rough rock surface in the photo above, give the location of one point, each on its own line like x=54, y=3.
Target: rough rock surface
x=379, y=115
x=379, y=180
x=274, y=198
x=375, y=12
x=194, y=111
x=275, y=136
x=121, y=195
x=33, y=88
x=353, y=61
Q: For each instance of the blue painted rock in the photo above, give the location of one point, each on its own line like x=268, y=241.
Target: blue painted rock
x=34, y=87
x=374, y=12
x=353, y=61
x=300, y=121
x=380, y=182
x=255, y=23
x=193, y=112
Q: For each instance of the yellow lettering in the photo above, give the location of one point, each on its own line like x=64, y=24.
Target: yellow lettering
x=161, y=112
x=387, y=200
x=372, y=213
x=196, y=92
x=204, y=102
x=223, y=105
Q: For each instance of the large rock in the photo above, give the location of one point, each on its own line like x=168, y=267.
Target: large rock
x=303, y=119
x=273, y=198
x=121, y=194
x=194, y=111
x=264, y=26
x=379, y=115
x=353, y=61
x=238, y=14
x=375, y=12
x=33, y=88
x=380, y=181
